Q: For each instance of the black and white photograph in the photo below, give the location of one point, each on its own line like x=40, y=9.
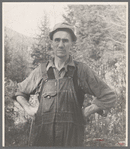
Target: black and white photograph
x=65, y=74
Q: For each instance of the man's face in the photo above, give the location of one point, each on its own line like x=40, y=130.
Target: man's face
x=61, y=44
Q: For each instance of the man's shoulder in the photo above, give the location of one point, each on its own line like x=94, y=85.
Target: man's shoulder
x=81, y=65
x=42, y=67
x=39, y=69
x=43, y=64
x=83, y=70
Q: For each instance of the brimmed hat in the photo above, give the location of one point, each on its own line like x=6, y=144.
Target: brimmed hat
x=61, y=26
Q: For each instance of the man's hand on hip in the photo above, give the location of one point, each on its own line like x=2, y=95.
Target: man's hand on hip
x=90, y=110
x=31, y=110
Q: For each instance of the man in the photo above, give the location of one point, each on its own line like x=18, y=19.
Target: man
x=59, y=119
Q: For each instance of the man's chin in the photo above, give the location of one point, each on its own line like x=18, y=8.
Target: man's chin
x=61, y=55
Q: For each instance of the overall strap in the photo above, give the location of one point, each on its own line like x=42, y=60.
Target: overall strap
x=43, y=79
x=79, y=92
x=44, y=72
x=73, y=73
x=50, y=73
x=46, y=75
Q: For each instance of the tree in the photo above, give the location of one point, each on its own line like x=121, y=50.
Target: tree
x=100, y=29
x=41, y=49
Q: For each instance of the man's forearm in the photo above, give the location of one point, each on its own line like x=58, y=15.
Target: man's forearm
x=23, y=102
x=31, y=110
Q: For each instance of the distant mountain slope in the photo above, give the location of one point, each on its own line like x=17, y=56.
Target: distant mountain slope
x=18, y=40
x=19, y=44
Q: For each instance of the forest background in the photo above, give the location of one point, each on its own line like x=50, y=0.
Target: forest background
x=101, y=44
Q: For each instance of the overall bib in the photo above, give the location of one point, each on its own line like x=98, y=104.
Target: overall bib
x=59, y=120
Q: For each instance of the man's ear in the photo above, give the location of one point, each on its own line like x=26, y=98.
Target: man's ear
x=72, y=44
x=51, y=44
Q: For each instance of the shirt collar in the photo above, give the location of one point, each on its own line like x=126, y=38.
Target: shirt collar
x=69, y=62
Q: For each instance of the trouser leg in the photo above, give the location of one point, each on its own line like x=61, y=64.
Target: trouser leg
x=68, y=134
x=60, y=134
x=45, y=136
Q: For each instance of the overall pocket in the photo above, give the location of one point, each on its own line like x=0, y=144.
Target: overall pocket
x=48, y=101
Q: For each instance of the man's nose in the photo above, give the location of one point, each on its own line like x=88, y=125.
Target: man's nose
x=61, y=43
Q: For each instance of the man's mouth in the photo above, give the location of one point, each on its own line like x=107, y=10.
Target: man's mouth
x=60, y=50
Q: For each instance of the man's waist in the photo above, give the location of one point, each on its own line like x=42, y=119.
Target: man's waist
x=59, y=117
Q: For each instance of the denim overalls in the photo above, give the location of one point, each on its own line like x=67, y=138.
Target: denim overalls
x=59, y=119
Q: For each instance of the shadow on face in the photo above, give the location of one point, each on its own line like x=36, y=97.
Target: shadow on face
x=62, y=43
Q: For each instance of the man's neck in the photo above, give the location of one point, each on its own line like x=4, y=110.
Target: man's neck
x=60, y=62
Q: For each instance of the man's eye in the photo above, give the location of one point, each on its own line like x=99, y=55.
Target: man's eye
x=65, y=40
x=57, y=40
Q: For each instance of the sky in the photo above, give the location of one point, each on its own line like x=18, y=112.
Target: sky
x=26, y=17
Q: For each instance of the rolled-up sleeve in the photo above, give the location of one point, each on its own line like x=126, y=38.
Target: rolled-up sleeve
x=26, y=87
x=93, y=85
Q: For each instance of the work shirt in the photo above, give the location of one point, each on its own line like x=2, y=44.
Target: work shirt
x=88, y=80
